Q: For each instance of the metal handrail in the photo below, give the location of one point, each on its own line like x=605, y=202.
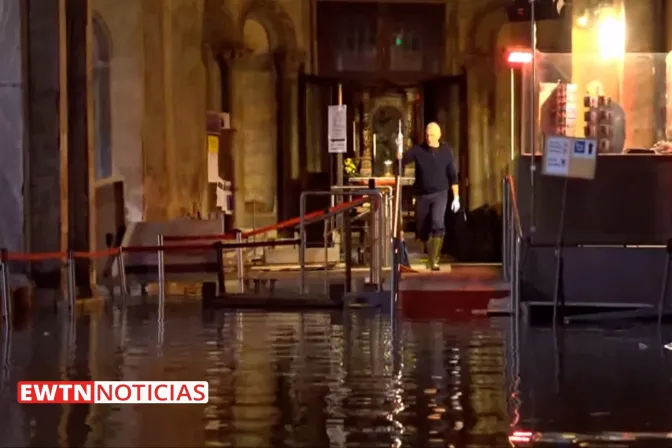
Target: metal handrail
x=512, y=239
x=376, y=252
x=388, y=193
x=514, y=202
x=331, y=214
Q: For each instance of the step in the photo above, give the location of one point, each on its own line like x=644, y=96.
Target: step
x=290, y=255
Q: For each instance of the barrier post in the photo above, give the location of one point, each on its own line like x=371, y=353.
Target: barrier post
x=383, y=240
x=302, y=243
x=325, y=242
x=72, y=286
x=161, y=268
x=347, y=249
x=666, y=281
x=505, y=228
x=219, y=247
x=4, y=284
x=240, y=262
x=121, y=267
x=515, y=278
x=373, y=242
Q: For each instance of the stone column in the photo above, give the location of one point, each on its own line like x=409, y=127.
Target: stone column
x=232, y=57
x=155, y=144
x=80, y=141
x=287, y=69
x=11, y=127
x=46, y=224
x=186, y=94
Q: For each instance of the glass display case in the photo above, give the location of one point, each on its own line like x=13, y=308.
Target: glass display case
x=621, y=100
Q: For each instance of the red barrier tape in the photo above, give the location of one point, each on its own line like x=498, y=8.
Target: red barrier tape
x=183, y=248
x=278, y=226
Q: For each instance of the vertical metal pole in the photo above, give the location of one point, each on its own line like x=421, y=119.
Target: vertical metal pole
x=72, y=286
x=533, y=114
x=161, y=268
x=512, y=232
x=302, y=243
x=559, y=251
x=382, y=240
x=663, y=289
x=373, y=229
x=347, y=245
x=326, y=256
x=505, y=228
x=394, y=280
x=4, y=284
x=240, y=262
x=219, y=256
x=387, y=225
x=121, y=267
x=515, y=279
x=512, y=142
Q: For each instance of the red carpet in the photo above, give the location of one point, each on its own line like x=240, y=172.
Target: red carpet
x=463, y=293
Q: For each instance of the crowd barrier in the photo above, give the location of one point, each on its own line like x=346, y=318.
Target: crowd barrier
x=218, y=243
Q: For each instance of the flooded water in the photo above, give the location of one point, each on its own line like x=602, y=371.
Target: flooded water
x=337, y=380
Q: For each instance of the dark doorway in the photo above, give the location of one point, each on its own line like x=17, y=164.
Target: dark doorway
x=445, y=103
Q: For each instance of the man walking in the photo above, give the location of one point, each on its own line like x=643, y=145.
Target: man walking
x=435, y=174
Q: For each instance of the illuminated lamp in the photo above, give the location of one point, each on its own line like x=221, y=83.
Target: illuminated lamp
x=519, y=57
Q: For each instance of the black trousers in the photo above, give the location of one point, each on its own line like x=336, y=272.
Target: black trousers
x=430, y=214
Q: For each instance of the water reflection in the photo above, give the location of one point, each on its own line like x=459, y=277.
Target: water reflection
x=331, y=380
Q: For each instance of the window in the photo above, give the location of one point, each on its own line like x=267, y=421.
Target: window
x=357, y=49
x=101, y=100
x=405, y=54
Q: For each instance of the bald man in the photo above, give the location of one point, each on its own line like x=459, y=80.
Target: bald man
x=435, y=174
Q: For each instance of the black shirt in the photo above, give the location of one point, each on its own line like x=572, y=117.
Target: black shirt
x=435, y=168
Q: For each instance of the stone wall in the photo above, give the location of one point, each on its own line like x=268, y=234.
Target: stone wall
x=11, y=127
x=166, y=71
x=122, y=22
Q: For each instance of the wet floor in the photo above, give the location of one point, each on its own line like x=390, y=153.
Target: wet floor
x=333, y=380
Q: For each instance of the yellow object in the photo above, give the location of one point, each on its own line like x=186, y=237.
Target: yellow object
x=213, y=144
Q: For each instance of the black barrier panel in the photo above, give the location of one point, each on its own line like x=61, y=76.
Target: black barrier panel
x=628, y=203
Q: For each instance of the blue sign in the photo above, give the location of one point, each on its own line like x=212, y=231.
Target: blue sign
x=584, y=149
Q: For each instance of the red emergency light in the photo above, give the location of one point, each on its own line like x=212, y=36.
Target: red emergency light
x=519, y=57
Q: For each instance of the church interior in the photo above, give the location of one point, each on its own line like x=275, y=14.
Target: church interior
x=168, y=101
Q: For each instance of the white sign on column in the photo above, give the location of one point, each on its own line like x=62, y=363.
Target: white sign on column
x=338, y=129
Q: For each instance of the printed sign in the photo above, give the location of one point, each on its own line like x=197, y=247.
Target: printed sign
x=338, y=129
x=585, y=149
x=556, y=160
x=570, y=157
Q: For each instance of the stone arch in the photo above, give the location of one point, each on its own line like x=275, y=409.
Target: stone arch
x=278, y=24
x=485, y=26
x=102, y=103
x=220, y=30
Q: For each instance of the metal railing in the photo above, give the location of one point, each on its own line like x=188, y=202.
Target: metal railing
x=377, y=237
x=388, y=203
x=512, y=240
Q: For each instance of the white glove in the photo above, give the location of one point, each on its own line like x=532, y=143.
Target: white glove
x=455, y=206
